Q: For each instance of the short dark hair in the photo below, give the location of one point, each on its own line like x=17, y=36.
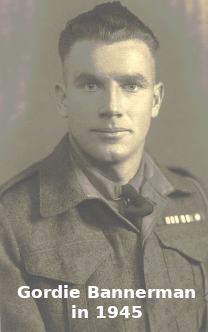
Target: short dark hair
x=109, y=22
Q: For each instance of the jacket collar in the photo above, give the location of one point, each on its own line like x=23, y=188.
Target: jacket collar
x=60, y=189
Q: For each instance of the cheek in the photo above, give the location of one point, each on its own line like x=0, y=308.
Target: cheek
x=74, y=105
x=81, y=106
x=142, y=116
x=141, y=121
x=80, y=117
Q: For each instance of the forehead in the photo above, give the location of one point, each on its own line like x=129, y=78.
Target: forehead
x=107, y=59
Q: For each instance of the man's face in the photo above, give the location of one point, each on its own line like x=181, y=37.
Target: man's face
x=109, y=98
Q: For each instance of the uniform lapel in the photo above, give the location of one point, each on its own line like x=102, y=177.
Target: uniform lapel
x=59, y=187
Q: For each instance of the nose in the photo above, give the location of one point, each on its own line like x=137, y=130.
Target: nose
x=112, y=103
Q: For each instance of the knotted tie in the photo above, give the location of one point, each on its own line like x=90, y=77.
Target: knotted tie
x=137, y=206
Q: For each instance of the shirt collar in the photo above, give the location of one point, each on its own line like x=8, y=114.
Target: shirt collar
x=155, y=177
x=60, y=189
x=94, y=183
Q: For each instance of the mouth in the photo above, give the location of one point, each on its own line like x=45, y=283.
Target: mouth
x=111, y=135
x=111, y=130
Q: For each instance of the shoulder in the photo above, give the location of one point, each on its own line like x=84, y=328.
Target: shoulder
x=178, y=185
x=30, y=176
x=186, y=184
x=23, y=177
x=21, y=193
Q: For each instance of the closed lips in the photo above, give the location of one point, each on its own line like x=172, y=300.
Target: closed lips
x=110, y=130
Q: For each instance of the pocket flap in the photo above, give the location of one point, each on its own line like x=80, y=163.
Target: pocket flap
x=190, y=239
x=71, y=263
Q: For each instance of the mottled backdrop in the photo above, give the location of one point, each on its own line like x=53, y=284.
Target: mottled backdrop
x=29, y=123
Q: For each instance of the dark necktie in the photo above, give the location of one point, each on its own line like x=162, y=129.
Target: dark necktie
x=137, y=206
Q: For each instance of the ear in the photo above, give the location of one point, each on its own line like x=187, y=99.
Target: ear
x=60, y=91
x=158, y=98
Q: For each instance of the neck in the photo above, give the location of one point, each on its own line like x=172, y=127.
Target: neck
x=122, y=171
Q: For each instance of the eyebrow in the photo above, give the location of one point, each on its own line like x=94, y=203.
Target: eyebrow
x=87, y=77
x=135, y=78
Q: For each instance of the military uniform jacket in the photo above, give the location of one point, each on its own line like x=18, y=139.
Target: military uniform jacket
x=53, y=235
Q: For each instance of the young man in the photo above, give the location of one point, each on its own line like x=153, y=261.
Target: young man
x=98, y=215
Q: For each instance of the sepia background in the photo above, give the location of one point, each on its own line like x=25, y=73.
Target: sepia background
x=30, y=126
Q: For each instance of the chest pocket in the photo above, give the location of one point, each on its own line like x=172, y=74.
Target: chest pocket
x=71, y=263
x=185, y=251
x=78, y=265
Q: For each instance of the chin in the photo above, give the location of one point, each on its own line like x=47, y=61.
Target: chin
x=110, y=156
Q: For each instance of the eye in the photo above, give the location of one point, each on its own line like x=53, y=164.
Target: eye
x=90, y=87
x=131, y=87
